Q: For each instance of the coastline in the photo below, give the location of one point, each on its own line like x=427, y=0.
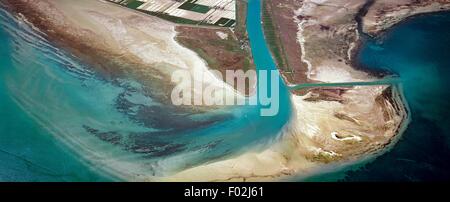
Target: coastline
x=379, y=34
x=113, y=45
x=263, y=162
x=112, y=55
x=369, y=9
x=386, y=14
x=282, y=160
x=112, y=49
x=234, y=48
x=382, y=33
x=285, y=51
x=296, y=153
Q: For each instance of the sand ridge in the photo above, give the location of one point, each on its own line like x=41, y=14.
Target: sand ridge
x=331, y=127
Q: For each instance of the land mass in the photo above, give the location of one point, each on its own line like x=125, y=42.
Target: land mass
x=121, y=42
x=122, y=45
x=312, y=41
x=315, y=41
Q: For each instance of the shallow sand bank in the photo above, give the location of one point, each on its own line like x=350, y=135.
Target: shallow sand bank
x=323, y=132
x=119, y=42
x=332, y=127
x=322, y=136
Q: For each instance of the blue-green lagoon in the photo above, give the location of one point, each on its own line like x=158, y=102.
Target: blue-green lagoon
x=417, y=51
x=55, y=112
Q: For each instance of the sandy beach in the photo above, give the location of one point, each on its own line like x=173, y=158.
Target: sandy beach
x=331, y=127
x=120, y=42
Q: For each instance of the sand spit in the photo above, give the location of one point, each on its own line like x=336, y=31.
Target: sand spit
x=322, y=135
x=331, y=127
x=119, y=42
x=334, y=126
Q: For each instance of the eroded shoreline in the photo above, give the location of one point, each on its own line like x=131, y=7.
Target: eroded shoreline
x=332, y=128
x=298, y=151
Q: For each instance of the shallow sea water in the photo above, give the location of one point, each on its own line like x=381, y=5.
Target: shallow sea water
x=49, y=102
x=416, y=50
x=60, y=116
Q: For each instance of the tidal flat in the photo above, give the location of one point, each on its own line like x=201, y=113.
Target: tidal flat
x=105, y=99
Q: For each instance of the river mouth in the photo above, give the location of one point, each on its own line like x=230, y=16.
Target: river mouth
x=101, y=123
x=47, y=129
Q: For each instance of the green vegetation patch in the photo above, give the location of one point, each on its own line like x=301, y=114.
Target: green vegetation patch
x=225, y=22
x=134, y=4
x=241, y=19
x=222, y=21
x=272, y=38
x=230, y=23
x=170, y=18
x=190, y=6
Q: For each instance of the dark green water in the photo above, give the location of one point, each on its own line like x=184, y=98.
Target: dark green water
x=417, y=50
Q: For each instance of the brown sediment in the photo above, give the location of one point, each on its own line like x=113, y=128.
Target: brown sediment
x=229, y=52
x=112, y=58
x=88, y=46
x=345, y=117
x=326, y=94
x=374, y=115
x=240, y=29
x=333, y=32
x=284, y=39
x=361, y=112
x=221, y=54
x=364, y=113
x=301, y=152
x=330, y=38
x=63, y=35
x=330, y=33
x=385, y=13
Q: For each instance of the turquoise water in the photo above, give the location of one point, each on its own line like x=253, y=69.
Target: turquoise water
x=417, y=51
x=27, y=150
x=61, y=121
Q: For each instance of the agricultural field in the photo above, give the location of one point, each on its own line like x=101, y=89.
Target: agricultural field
x=213, y=12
